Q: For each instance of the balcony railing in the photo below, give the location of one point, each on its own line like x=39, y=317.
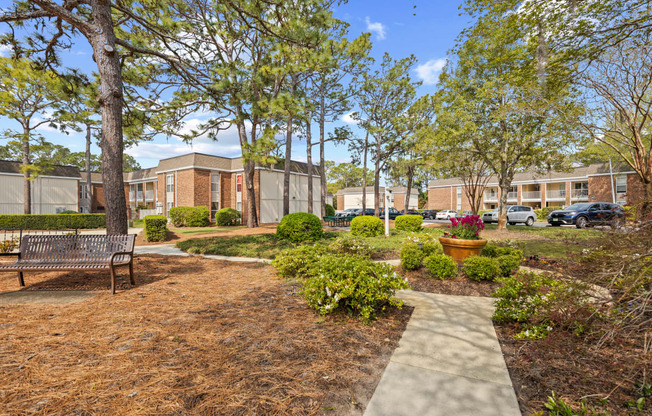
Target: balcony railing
x=149, y=195
x=530, y=195
x=582, y=194
x=512, y=196
x=491, y=197
x=140, y=195
x=556, y=194
x=132, y=196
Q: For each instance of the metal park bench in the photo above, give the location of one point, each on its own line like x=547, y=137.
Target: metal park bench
x=335, y=221
x=45, y=253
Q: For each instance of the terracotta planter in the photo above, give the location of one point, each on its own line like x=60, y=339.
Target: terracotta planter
x=461, y=249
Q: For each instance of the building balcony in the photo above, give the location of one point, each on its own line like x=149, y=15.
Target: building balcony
x=556, y=195
x=491, y=197
x=132, y=196
x=512, y=196
x=580, y=194
x=149, y=196
x=531, y=196
x=140, y=195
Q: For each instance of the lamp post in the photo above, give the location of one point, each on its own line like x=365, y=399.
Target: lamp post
x=388, y=199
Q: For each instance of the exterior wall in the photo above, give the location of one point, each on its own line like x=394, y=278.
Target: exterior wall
x=600, y=189
x=201, y=188
x=340, y=202
x=161, y=195
x=98, y=203
x=399, y=201
x=270, y=195
x=226, y=190
x=48, y=194
x=635, y=190
x=185, y=185
x=442, y=198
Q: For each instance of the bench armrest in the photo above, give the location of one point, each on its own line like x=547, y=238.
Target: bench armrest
x=121, y=253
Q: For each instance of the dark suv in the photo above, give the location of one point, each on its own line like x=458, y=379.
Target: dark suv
x=429, y=214
x=586, y=214
x=393, y=213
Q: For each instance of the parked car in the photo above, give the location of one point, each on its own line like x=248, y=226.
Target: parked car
x=429, y=214
x=409, y=212
x=463, y=214
x=368, y=211
x=393, y=213
x=515, y=214
x=446, y=214
x=351, y=212
x=586, y=214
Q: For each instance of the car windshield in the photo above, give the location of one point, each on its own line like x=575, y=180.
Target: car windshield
x=578, y=207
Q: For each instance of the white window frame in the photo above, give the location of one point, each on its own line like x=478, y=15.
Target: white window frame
x=621, y=181
x=169, y=182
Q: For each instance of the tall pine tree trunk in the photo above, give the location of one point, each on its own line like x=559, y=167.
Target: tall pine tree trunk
x=27, y=188
x=89, y=190
x=110, y=101
x=322, y=140
x=377, y=179
x=309, y=162
x=286, y=173
x=249, y=171
x=364, y=173
x=408, y=191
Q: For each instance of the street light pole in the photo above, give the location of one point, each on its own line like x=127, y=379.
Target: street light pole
x=388, y=197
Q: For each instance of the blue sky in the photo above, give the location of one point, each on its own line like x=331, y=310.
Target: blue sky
x=428, y=32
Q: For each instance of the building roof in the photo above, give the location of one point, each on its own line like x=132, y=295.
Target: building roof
x=8, y=166
x=96, y=177
x=580, y=172
x=370, y=189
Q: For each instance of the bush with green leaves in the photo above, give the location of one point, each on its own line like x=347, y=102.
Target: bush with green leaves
x=155, y=227
x=296, y=262
x=351, y=245
x=523, y=295
x=227, y=217
x=542, y=213
x=409, y=223
x=428, y=242
x=441, y=266
x=491, y=250
x=367, y=226
x=508, y=263
x=190, y=216
x=330, y=211
x=68, y=212
x=299, y=227
x=411, y=257
x=481, y=268
x=52, y=221
x=359, y=286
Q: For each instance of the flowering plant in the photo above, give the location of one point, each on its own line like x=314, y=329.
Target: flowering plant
x=468, y=228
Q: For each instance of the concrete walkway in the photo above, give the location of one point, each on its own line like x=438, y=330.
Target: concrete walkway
x=51, y=297
x=448, y=362
x=171, y=250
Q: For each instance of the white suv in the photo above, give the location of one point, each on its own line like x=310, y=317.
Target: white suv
x=446, y=214
x=515, y=214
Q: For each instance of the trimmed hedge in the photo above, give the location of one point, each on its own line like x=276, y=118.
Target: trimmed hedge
x=155, y=227
x=408, y=223
x=411, y=257
x=299, y=227
x=441, y=266
x=542, y=214
x=190, y=216
x=481, y=268
x=52, y=222
x=330, y=211
x=228, y=216
x=367, y=226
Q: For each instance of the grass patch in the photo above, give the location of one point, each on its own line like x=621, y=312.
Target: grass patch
x=138, y=224
x=551, y=232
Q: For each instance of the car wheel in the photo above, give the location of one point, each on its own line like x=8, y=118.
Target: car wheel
x=529, y=222
x=581, y=222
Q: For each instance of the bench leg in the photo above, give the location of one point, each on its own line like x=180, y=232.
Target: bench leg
x=112, y=281
x=131, y=273
x=20, y=279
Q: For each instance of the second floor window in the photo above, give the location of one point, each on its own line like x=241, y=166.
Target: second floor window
x=621, y=185
x=82, y=192
x=238, y=183
x=169, y=183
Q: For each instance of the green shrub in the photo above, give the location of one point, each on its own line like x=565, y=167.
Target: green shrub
x=481, y=268
x=494, y=251
x=227, y=216
x=299, y=227
x=542, y=214
x=351, y=245
x=330, y=211
x=52, y=222
x=522, y=295
x=508, y=264
x=360, y=286
x=441, y=266
x=367, y=226
x=630, y=212
x=296, y=262
x=411, y=257
x=68, y=212
x=155, y=227
x=190, y=216
x=426, y=241
x=408, y=223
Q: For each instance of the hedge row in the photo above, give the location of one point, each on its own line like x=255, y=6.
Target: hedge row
x=52, y=222
x=228, y=216
x=542, y=213
x=190, y=216
x=155, y=227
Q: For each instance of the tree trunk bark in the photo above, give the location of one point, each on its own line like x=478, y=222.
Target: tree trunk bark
x=110, y=101
x=502, y=206
x=377, y=180
x=249, y=171
x=309, y=162
x=646, y=206
x=27, y=189
x=89, y=190
x=322, y=139
x=364, y=173
x=408, y=191
x=286, y=172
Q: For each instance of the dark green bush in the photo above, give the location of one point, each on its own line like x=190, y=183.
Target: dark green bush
x=360, y=286
x=441, y=266
x=522, y=295
x=508, y=264
x=411, y=257
x=299, y=227
x=155, y=227
x=426, y=241
x=494, y=251
x=296, y=262
x=330, y=211
x=489, y=250
x=68, y=212
x=409, y=223
x=52, y=222
x=542, y=214
x=355, y=246
x=227, y=216
x=190, y=216
x=481, y=268
x=367, y=226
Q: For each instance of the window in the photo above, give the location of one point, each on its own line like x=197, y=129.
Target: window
x=238, y=183
x=459, y=198
x=82, y=192
x=215, y=193
x=169, y=182
x=238, y=206
x=621, y=185
x=169, y=205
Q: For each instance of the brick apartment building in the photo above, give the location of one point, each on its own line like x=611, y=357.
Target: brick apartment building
x=582, y=184
x=197, y=179
x=348, y=198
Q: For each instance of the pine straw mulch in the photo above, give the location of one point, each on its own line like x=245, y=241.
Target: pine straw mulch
x=422, y=281
x=194, y=337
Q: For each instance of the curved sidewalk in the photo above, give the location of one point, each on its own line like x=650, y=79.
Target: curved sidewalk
x=448, y=362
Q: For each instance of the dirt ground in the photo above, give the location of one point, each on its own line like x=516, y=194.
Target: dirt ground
x=193, y=337
x=422, y=281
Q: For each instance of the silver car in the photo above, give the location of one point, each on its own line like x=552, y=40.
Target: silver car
x=515, y=214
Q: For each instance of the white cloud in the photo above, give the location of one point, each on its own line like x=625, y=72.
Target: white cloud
x=348, y=118
x=429, y=72
x=376, y=27
x=4, y=50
